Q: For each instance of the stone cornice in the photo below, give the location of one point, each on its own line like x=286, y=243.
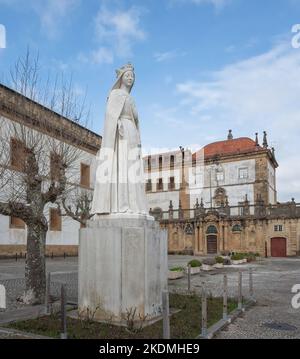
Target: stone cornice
x=21, y=109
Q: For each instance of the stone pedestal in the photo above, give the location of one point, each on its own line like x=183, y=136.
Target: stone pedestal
x=122, y=268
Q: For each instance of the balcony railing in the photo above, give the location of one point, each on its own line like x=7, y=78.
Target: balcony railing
x=256, y=211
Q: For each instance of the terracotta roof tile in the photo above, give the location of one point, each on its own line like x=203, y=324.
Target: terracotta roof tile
x=231, y=147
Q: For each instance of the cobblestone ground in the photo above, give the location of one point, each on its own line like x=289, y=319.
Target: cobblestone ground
x=273, y=317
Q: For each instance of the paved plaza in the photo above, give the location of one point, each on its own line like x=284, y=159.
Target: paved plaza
x=272, y=317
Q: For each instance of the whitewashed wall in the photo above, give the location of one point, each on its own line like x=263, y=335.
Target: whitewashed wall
x=236, y=188
x=162, y=200
x=69, y=234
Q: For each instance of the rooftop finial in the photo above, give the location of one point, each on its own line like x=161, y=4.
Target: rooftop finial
x=265, y=141
x=230, y=136
x=256, y=140
x=273, y=152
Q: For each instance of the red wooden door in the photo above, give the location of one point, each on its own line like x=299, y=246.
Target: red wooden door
x=278, y=247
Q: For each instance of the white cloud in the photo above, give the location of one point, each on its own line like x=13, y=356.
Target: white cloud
x=116, y=32
x=218, y=4
x=98, y=57
x=168, y=55
x=50, y=12
x=259, y=93
x=119, y=29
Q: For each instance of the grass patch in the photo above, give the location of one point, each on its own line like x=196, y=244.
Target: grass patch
x=185, y=324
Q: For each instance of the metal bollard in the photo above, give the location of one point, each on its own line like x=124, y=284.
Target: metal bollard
x=251, y=291
x=189, y=277
x=63, y=334
x=225, y=298
x=47, y=299
x=204, y=312
x=16, y=257
x=166, y=315
x=240, y=294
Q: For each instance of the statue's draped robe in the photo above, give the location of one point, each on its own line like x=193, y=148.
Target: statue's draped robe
x=119, y=184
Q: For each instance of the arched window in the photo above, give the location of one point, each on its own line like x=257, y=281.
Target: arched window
x=212, y=230
x=237, y=228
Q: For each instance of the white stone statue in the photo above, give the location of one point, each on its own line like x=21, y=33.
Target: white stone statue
x=119, y=186
x=122, y=251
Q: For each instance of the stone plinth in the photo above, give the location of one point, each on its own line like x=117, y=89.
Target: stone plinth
x=122, y=268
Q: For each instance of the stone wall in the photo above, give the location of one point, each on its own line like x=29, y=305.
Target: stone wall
x=244, y=233
x=10, y=251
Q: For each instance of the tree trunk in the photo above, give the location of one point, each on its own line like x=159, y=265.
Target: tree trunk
x=35, y=268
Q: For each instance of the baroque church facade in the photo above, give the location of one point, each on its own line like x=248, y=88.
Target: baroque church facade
x=222, y=198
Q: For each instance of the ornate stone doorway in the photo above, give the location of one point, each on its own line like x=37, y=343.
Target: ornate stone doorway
x=212, y=240
x=212, y=244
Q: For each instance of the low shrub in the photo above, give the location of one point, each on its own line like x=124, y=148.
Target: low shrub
x=177, y=269
x=195, y=263
x=219, y=260
x=237, y=257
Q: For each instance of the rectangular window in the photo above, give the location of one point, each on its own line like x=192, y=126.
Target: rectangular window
x=160, y=185
x=17, y=154
x=160, y=163
x=84, y=175
x=17, y=223
x=55, y=220
x=278, y=228
x=172, y=183
x=172, y=162
x=55, y=165
x=243, y=173
x=149, y=186
x=149, y=163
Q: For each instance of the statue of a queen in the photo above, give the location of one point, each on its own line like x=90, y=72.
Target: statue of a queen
x=119, y=185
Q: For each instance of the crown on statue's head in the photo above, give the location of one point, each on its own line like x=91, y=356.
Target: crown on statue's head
x=125, y=68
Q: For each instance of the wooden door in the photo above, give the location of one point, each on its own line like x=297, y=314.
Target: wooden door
x=278, y=247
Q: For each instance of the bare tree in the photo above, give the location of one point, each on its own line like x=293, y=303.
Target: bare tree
x=77, y=205
x=39, y=152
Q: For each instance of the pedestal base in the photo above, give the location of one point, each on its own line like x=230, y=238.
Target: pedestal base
x=122, y=268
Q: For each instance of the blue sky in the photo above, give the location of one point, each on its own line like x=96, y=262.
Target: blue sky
x=202, y=66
